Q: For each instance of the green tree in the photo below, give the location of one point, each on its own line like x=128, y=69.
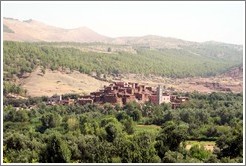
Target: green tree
x=170, y=137
x=128, y=125
x=231, y=144
x=50, y=120
x=20, y=148
x=173, y=157
x=144, y=150
x=94, y=150
x=21, y=116
x=57, y=150
x=72, y=124
x=199, y=153
x=112, y=131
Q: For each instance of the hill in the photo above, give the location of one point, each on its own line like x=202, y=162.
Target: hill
x=33, y=31
x=152, y=41
x=58, y=82
x=83, y=50
x=194, y=60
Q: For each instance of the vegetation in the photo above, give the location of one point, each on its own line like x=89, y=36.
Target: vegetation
x=9, y=87
x=132, y=134
x=36, y=132
x=7, y=29
x=202, y=60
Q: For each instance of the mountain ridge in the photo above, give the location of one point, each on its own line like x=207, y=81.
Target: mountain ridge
x=35, y=31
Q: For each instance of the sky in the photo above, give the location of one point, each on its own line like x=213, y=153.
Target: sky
x=190, y=20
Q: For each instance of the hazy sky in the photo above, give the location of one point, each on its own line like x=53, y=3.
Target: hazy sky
x=194, y=21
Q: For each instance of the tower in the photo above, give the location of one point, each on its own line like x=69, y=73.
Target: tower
x=159, y=94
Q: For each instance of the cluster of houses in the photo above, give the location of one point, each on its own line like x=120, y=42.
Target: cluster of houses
x=122, y=93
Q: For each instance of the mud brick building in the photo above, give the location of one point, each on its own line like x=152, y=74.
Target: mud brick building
x=55, y=99
x=67, y=101
x=176, y=101
x=84, y=101
x=121, y=93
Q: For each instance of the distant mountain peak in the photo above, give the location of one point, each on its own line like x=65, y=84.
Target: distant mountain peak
x=9, y=18
x=28, y=21
x=33, y=30
x=82, y=28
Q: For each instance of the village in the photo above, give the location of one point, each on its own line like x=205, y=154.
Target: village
x=122, y=93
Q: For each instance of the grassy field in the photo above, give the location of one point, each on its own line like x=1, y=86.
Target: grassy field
x=147, y=128
x=208, y=145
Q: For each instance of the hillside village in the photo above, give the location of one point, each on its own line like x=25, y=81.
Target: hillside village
x=121, y=93
x=162, y=86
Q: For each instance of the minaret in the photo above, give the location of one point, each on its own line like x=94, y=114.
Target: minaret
x=159, y=94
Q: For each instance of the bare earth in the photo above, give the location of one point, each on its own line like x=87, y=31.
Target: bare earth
x=37, y=31
x=60, y=82
x=206, y=147
x=57, y=82
x=188, y=84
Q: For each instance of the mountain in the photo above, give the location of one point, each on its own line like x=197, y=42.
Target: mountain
x=89, y=52
x=152, y=41
x=34, y=31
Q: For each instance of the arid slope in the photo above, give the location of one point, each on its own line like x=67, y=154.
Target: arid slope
x=34, y=31
x=56, y=82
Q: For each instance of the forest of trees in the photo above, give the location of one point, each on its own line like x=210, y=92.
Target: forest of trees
x=21, y=57
x=108, y=134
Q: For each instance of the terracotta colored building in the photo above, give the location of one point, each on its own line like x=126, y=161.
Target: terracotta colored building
x=122, y=93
